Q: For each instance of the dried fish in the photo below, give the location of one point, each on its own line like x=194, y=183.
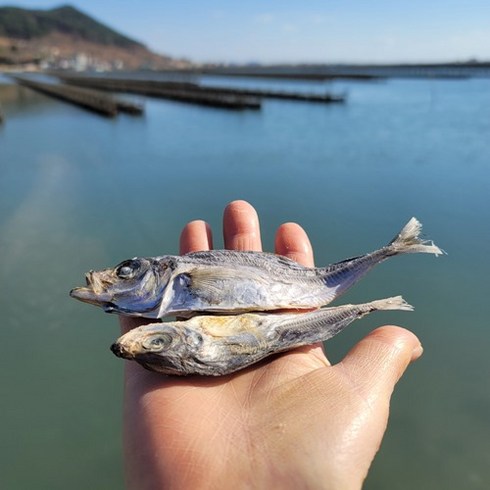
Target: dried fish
x=227, y=281
x=218, y=345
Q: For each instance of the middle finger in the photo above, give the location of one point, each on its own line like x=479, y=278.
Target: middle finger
x=241, y=228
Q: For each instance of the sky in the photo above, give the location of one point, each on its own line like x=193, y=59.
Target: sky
x=287, y=31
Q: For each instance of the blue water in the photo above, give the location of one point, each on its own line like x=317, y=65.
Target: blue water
x=80, y=192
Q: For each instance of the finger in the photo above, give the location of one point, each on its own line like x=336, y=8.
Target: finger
x=293, y=242
x=241, y=227
x=196, y=236
x=377, y=362
x=127, y=323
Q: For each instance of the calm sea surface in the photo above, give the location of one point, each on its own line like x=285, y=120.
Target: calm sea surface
x=78, y=191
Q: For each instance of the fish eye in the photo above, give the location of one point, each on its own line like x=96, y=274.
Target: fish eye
x=160, y=342
x=127, y=269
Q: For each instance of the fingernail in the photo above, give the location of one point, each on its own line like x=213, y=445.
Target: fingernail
x=417, y=352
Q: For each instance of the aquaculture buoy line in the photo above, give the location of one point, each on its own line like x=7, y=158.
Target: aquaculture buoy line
x=88, y=92
x=93, y=100
x=193, y=92
x=181, y=91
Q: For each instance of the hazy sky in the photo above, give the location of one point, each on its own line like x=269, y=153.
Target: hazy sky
x=295, y=31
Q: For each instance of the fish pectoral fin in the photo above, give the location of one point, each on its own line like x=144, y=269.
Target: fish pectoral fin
x=212, y=280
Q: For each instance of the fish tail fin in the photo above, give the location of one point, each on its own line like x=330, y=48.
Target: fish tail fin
x=409, y=241
x=394, y=303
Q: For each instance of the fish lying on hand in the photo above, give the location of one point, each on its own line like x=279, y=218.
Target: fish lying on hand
x=227, y=281
x=218, y=345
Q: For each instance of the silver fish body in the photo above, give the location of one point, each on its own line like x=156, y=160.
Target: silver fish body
x=227, y=281
x=219, y=345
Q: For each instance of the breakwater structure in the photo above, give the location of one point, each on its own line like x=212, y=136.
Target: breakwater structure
x=87, y=98
x=193, y=92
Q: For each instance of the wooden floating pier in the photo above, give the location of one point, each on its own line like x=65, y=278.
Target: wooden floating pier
x=86, y=98
x=194, y=92
x=181, y=91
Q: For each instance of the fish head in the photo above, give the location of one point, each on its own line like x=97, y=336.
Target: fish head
x=161, y=347
x=134, y=287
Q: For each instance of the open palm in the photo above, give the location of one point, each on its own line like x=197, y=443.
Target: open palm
x=292, y=421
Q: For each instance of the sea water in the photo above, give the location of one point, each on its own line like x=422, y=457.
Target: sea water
x=80, y=192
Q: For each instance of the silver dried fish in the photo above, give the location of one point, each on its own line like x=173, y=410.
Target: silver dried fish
x=219, y=345
x=227, y=281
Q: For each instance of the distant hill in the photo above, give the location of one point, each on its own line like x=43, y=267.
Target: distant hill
x=20, y=23
x=65, y=35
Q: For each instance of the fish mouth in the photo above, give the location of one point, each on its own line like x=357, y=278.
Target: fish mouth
x=88, y=295
x=95, y=290
x=119, y=351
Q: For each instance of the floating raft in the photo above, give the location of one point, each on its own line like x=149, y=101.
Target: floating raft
x=87, y=98
x=181, y=91
x=194, y=92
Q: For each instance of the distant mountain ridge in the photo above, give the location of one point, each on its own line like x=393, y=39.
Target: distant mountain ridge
x=19, y=23
x=64, y=37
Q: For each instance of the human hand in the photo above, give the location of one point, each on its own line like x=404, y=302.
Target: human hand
x=292, y=421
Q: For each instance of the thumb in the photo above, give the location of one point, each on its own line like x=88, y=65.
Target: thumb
x=377, y=362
